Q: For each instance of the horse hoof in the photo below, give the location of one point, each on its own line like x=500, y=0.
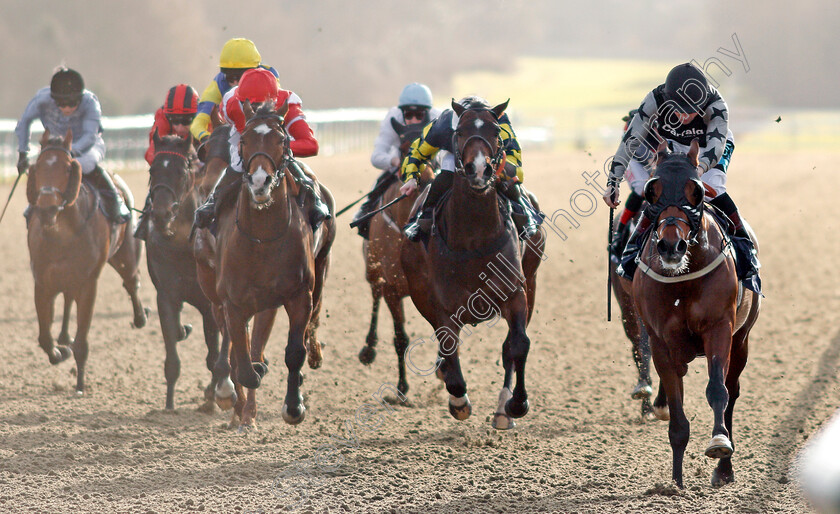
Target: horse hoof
x=260, y=368
x=460, y=408
x=641, y=391
x=402, y=387
x=315, y=361
x=226, y=403
x=185, y=332
x=721, y=478
x=291, y=417
x=719, y=447
x=662, y=413
x=140, y=319
x=249, y=380
x=225, y=394
x=246, y=429
x=502, y=421
x=516, y=409
x=78, y=393
x=60, y=354
x=208, y=407
x=367, y=355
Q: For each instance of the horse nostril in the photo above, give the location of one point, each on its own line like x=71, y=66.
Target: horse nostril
x=662, y=247
x=469, y=169
x=682, y=246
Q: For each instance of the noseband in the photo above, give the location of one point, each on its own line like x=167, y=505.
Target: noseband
x=279, y=171
x=495, y=162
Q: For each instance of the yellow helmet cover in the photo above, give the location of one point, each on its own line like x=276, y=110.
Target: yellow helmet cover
x=239, y=53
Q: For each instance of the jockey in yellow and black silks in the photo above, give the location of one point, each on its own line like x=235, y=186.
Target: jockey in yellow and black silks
x=437, y=136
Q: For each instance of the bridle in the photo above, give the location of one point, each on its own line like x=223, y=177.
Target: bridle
x=176, y=204
x=51, y=190
x=278, y=169
x=498, y=159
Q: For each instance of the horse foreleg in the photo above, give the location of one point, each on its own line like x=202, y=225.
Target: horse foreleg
x=368, y=352
x=211, y=339
x=501, y=420
x=126, y=262
x=263, y=323
x=45, y=308
x=520, y=344
x=169, y=312
x=64, y=336
x=313, y=345
x=237, y=327
x=225, y=390
x=84, y=315
x=717, y=342
x=447, y=334
x=394, y=301
x=723, y=473
x=671, y=378
x=299, y=310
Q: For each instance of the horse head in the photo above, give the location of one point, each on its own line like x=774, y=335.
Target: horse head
x=478, y=145
x=408, y=134
x=675, y=195
x=264, y=148
x=54, y=179
x=171, y=179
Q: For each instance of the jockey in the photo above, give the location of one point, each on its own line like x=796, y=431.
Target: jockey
x=415, y=106
x=238, y=56
x=439, y=136
x=66, y=104
x=173, y=117
x=684, y=108
x=258, y=86
x=634, y=199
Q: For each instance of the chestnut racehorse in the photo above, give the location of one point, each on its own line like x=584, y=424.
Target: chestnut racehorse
x=475, y=268
x=382, y=258
x=688, y=295
x=69, y=242
x=174, y=192
x=265, y=256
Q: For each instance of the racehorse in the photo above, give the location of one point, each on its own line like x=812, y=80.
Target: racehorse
x=382, y=258
x=474, y=268
x=635, y=331
x=265, y=256
x=69, y=241
x=688, y=295
x=173, y=189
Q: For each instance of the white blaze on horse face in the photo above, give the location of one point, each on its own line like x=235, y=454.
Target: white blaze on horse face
x=51, y=160
x=259, y=184
x=479, y=123
x=166, y=163
x=479, y=162
x=262, y=129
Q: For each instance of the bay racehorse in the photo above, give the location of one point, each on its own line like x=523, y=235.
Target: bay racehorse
x=70, y=240
x=474, y=268
x=267, y=256
x=174, y=181
x=383, y=268
x=688, y=295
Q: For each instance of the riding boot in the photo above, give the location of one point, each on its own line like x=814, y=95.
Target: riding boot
x=419, y=226
x=142, y=230
x=225, y=188
x=527, y=225
x=112, y=202
x=382, y=183
x=746, y=256
x=622, y=232
x=627, y=267
x=317, y=210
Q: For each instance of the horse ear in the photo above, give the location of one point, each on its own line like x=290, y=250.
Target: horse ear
x=652, y=192
x=500, y=109
x=693, y=150
x=662, y=151
x=45, y=137
x=399, y=128
x=458, y=108
x=696, y=193
x=68, y=139
x=247, y=109
x=73, y=183
x=284, y=109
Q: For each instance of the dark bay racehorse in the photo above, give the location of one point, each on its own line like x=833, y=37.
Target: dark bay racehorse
x=266, y=256
x=383, y=268
x=689, y=297
x=173, y=189
x=69, y=242
x=474, y=268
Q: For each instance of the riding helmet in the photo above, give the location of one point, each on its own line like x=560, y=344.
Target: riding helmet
x=416, y=94
x=239, y=53
x=67, y=84
x=181, y=99
x=686, y=78
x=257, y=86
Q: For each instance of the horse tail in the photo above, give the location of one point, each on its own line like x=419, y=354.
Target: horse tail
x=71, y=193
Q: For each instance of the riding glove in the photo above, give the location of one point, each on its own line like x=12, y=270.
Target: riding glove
x=22, y=164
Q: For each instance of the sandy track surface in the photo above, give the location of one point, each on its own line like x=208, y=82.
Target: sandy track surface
x=582, y=448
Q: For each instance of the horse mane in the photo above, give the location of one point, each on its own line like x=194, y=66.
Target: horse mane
x=54, y=141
